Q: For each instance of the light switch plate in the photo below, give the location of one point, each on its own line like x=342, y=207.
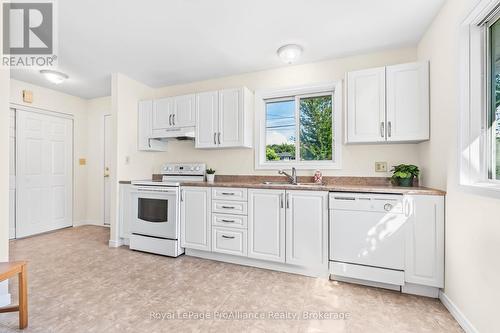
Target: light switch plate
x=380, y=166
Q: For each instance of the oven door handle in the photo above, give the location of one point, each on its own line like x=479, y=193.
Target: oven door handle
x=156, y=190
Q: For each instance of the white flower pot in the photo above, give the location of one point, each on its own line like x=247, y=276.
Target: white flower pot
x=210, y=178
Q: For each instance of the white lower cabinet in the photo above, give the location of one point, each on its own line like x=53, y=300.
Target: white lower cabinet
x=229, y=241
x=424, y=263
x=196, y=218
x=266, y=227
x=307, y=228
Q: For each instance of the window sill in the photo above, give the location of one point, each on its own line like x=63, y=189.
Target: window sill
x=489, y=189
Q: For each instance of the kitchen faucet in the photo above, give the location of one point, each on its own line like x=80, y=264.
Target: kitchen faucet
x=292, y=178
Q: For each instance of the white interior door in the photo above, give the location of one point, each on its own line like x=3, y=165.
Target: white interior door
x=44, y=193
x=12, y=175
x=107, y=163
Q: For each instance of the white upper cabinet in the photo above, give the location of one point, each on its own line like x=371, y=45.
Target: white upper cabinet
x=207, y=118
x=184, y=113
x=388, y=104
x=266, y=224
x=307, y=228
x=231, y=119
x=163, y=111
x=408, y=102
x=174, y=112
x=366, y=105
x=145, y=128
x=230, y=125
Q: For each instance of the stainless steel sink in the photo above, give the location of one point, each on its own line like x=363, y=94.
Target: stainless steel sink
x=287, y=183
x=276, y=183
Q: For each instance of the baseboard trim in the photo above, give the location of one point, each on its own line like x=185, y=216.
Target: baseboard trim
x=115, y=243
x=275, y=266
x=457, y=314
x=88, y=222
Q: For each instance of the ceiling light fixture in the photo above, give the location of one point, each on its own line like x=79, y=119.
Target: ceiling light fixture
x=54, y=76
x=290, y=53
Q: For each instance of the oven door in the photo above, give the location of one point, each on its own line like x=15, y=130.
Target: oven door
x=155, y=212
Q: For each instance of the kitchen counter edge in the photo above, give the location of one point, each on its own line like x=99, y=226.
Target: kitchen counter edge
x=329, y=187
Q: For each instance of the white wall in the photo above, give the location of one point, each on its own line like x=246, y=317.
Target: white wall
x=356, y=159
x=127, y=163
x=4, y=168
x=52, y=100
x=96, y=110
x=472, y=221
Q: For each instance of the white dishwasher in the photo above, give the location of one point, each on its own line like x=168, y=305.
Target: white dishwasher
x=367, y=237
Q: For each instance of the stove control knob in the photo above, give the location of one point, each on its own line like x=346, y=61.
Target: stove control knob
x=192, y=168
x=197, y=168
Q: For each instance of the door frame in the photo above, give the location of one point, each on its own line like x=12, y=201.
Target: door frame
x=52, y=113
x=103, y=165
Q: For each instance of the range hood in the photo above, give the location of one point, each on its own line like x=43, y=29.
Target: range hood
x=180, y=133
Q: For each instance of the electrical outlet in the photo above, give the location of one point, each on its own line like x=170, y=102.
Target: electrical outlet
x=380, y=166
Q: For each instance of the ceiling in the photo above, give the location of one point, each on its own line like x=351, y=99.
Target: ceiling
x=168, y=42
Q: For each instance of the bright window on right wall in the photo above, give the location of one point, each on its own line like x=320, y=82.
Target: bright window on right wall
x=493, y=118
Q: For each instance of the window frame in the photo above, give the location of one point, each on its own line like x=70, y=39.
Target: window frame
x=475, y=137
x=263, y=96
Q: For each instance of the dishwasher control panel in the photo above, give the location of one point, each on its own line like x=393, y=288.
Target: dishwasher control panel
x=367, y=202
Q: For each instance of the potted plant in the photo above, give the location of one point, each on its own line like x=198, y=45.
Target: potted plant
x=210, y=175
x=404, y=174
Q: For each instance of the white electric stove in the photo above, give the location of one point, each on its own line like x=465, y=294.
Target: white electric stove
x=155, y=225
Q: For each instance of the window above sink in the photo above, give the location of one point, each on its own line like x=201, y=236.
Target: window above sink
x=299, y=127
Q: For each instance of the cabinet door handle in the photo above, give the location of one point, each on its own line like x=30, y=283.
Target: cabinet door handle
x=182, y=195
x=228, y=207
x=215, y=138
x=228, y=237
x=228, y=221
x=281, y=200
x=287, y=200
x=170, y=120
x=173, y=119
x=389, y=129
x=227, y=193
x=382, y=131
x=219, y=137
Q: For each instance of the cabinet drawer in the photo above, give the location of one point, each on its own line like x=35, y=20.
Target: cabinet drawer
x=229, y=241
x=229, y=207
x=227, y=220
x=232, y=194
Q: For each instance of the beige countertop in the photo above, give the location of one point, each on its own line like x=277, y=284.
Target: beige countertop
x=331, y=184
x=327, y=187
